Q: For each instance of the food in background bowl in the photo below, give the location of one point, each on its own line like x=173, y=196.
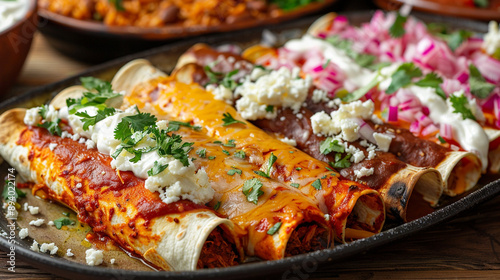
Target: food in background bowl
x=158, y=13
x=17, y=25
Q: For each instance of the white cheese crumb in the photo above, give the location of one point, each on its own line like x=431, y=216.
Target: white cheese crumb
x=50, y=223
x=37, y=222
x=327, y=217
x=371, y=154
x=66, y=134
x=383, y=141
x=93, y=257
x=299, y=116
x=358, y=156
x=79, y=185
x=288, y=141
x=25, y=206
x=23, y=233
x=282, y=118
x=32, y=117
x=75, y=137
x=82, y=140
x=69, y=254
x=222, y=93
x=34, y=246
x=363, y=172
x=49, y=247
x=90, y=144
x=52, y=146
x=112, y=261
x=319, y=95
x=33, y=210
x=276, y=88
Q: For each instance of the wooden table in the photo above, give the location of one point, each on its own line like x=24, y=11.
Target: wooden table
x=467, y=247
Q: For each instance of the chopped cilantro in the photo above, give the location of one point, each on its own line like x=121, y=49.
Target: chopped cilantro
x=317, y=184
x=260, y=173
x=240, y=154
x=92, y=120
x=233, y=171
x=226, y=152
x=52, y=127
x=98, y=100
x=217, y=142
x=330, y=145
x=202, y=153
x=270, y=108
x=341, y=162
x=272, y=160
x=456, y=38
x=59, y=223
x=157, y=168
x=211, y=157
x=65, y=214
x=135, y=123
x=402, y=77
x=8, y=186
x=295, y=185
x=298, y=168
x=441, y=139
x=217, y=206
x=230, y=143
x=274, y=228
x=434, y=81
x=229, y=120
x=461, y=105
x=397, y=29
x=479, y=87
x=220, y=78
x=175, y=125
x=251, y=189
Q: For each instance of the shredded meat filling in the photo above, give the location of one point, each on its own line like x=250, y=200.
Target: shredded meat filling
x=306, y=238
x=218, y=251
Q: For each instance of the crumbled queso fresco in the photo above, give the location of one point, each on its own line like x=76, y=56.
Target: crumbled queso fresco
x=94, y=257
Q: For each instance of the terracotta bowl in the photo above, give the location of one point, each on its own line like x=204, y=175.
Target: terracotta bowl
x=15, y=43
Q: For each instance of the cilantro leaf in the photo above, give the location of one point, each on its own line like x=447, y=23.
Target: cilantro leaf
x=295, y=185
x=269, y=108
x=59, y=223
x=225, y=80
x=230, y=143
x=104, y=93
x=233, y=171
x=92, y=120
x=217, y=206
x=226, y=152
x=434, y=81
x=403, y=76
x=52, y=127
x=398, y=27
x=478, y=85
x=330, y=145
x=240, y=154
x=317, y=184
x=211, y=157
x=261, y=173
x=175, y=125
x=229, y=120
x=272, y=160
x=341, y=162
x=91, y=83
x=456, y=38
x=8, y=186
x=274, y=228
x=251, y=189
x=461, y=106
x=157, y=168
x=202, y=153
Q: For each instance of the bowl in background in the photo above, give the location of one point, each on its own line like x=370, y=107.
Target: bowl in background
x=15, y=43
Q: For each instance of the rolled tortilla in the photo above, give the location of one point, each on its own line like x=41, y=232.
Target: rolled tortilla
x=303, y=226
x=388, y=170
x=190, y=103
x=170, y=236
x=459, y=170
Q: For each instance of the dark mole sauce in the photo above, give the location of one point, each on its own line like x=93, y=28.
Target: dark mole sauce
x=93, y=170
